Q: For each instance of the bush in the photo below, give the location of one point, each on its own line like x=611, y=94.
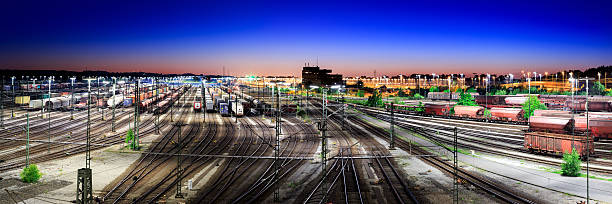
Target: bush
x=418, y=96
x=30, y=174
x=501, y=92
x=532, y=104
x=129, y=139
x=434, y=89
x=571, y=166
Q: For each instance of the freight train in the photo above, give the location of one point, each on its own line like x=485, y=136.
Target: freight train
x=596, y=103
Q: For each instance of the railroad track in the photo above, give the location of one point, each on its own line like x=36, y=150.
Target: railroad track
x=148, y=162
x=258, y=190
x=397, y=190
x=38, y=155
x=501, y=192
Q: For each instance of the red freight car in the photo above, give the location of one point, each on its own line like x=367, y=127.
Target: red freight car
x=552, y=113
x=550, y=124
x=469, y=111
x=593, y=105
x=507, y=114
x=598, y=127
x=516, y=101
x=558, y=144
x=438, y=109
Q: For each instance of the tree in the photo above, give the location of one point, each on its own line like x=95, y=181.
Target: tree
x=418, y=96
x=471, y=90
x=129, y=139
x=434, y=89
x=571, y=165
x=402, y=93
x=466, y=99
x=375, y=99
x=609, y=93
x=360, y=93
x=446, y=91
x=598, y=89
x=532, y=104
x=30, y=174
x=501, y=92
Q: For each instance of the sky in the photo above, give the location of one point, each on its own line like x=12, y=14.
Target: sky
x=353, y=38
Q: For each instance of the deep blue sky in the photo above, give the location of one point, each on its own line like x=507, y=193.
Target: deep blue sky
x=277, y=37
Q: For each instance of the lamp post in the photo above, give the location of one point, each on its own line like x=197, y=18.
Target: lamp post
x=49, y=117
x=72, y=98
x=13, y=87
x=114, y=103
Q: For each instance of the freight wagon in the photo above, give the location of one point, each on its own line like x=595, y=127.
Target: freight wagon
x=223, y=109
x=558, y=144
x=237, y=109
x=197, y=104
x=508, y=114
x=210, y=106
x=22, y=100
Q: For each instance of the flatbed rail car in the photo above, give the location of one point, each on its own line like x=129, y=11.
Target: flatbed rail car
x=558, y=144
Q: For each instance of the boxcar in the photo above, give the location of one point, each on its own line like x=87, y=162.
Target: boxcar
x=557, y=144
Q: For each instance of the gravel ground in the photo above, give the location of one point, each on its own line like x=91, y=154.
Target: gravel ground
x=58, y=183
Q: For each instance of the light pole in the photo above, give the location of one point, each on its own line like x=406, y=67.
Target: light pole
x=529, y=100
x=49, y=117
x=114, y=103
x=27, y=129
x=72, y=98
x=13, y=87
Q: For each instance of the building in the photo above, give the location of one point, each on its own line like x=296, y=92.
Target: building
x=315, y=76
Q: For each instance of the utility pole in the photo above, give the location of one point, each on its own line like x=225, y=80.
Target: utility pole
x=392, y=124
x=203, y=102
x=2, y=104
x=136, y=116
x=323, y=129
x=14, y=96
x=456, y=183
x=277, y=148
x=84, y=183
x=157, y=111
x=27, y=139
x=114, y=103
x=236, y=106
x=179, y=173
x=98, y=96
x=72, y=98
x=172, y=105
x=49, y=118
